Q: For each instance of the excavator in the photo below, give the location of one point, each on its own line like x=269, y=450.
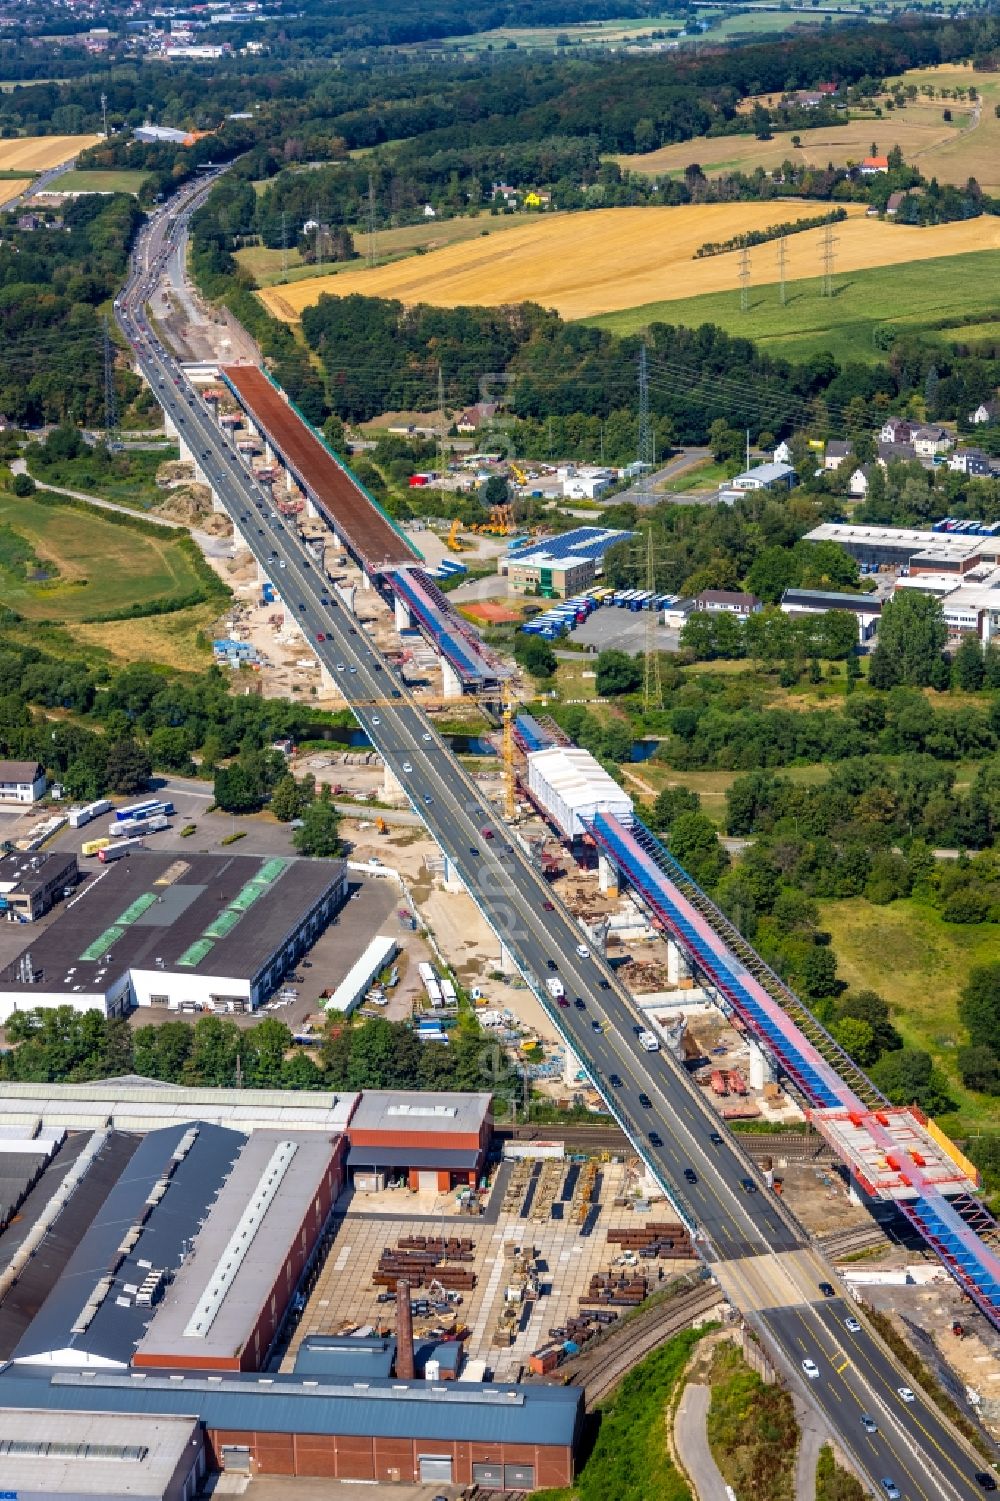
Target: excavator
x=451, y=541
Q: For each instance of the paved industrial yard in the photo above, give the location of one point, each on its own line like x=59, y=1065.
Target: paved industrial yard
x=344, y=1295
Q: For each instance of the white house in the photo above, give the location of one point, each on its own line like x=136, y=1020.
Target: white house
x=782, y=454
x=859, y=481
x=928, y=441
x=986, y=411
x=584, y=484
x=895, y=430
x=21, y=781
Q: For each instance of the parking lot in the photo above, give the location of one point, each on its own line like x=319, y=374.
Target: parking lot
x=623, y=630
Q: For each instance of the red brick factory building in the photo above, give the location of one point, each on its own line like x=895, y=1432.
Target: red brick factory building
x=432, y=1142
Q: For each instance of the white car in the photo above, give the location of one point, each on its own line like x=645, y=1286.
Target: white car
x=407, y=766
x=811, y=1369
x=852, y=1326
x=906, y=1394
x=426, y=738
x=375, y=718
x=583, y=951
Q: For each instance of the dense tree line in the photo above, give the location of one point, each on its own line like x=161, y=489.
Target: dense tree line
x=771, y=894
x=54, y=284
x=61, y=1045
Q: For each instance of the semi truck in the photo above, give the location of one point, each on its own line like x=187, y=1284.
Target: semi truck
x=649, y=1041
x=80, y=816
x=555, y=988
x=119, y=851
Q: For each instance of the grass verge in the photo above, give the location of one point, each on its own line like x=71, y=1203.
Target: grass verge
x=629, y=1459
x=751, y=1429
x=127, y=479
x=833, y=1483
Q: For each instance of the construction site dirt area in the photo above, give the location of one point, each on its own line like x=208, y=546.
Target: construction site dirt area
x=558, y=1245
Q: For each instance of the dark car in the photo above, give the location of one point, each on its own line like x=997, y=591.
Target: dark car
x=605, y=984
x=638, y=1030
x=473, y=850
x=645, y=1102
x=655, y=1139
x=828, y=1290
x=548, y=906
x=715, y=1139
x=595, y=1024
x=986, y=1480
x=690, y=1176
x=580, y=1003
x=552, y=964
x=302, y=605
x=615, y=1081
x=748, y=1185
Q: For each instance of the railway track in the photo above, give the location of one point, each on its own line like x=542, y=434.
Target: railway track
x=599, y=1368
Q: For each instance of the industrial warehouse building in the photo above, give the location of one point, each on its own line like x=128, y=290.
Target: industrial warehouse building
x=198, y=932
x=500, y=1437
x=31, y=883
x=865, y=608
x=560, y=566
x=149, y=1276
x=431, y=1141
x=109, y=1456
x=192, y=1257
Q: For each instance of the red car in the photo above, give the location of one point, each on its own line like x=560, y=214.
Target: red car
x=549, y=906
x=320, y=636
x=487, y=833
x=563, y=1001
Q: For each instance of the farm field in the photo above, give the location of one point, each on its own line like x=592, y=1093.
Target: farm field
x=12, y=187
x=918, y=131
x=961, y=289
x=102, y=566
x=265, y=264
x=78, y=181
x=584, y=265
x=39, y=153
x=976, y=152
x=919, y=964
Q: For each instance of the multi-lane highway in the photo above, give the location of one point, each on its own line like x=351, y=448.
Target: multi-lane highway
x=759, y=1253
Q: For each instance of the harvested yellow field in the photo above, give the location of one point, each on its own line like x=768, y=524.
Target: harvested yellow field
x=10, y=187
x=39, y=153
x=602, y=262
x=916, y=131
x=974, y=151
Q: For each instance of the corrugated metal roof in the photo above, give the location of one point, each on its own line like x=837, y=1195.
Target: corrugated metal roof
x=119, y=1322
x=463, y=1411
x=417, y=1157
x=349, y=1357
x=411, y=1110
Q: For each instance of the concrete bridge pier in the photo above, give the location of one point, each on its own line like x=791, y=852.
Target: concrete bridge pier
x=607, y=875
x=678, y=969
x=452, y=685
x=452, y=880
x=404, y=615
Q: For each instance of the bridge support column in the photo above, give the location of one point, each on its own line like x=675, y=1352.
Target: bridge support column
x=392, y=787
x=404, y=615
x=289, y=482
x=506, y=964
x=311, y=510
x=451, y=683
x=327, y=682
x=678, y=969
x=452, y=880
x=571, y=1067
x=607, y=875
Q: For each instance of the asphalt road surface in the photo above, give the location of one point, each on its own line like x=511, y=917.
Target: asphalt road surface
x=758, y=1252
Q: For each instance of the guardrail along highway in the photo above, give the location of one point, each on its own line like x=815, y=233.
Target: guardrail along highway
x=760, y=1255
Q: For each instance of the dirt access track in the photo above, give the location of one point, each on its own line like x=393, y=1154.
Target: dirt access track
x=369, y=535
